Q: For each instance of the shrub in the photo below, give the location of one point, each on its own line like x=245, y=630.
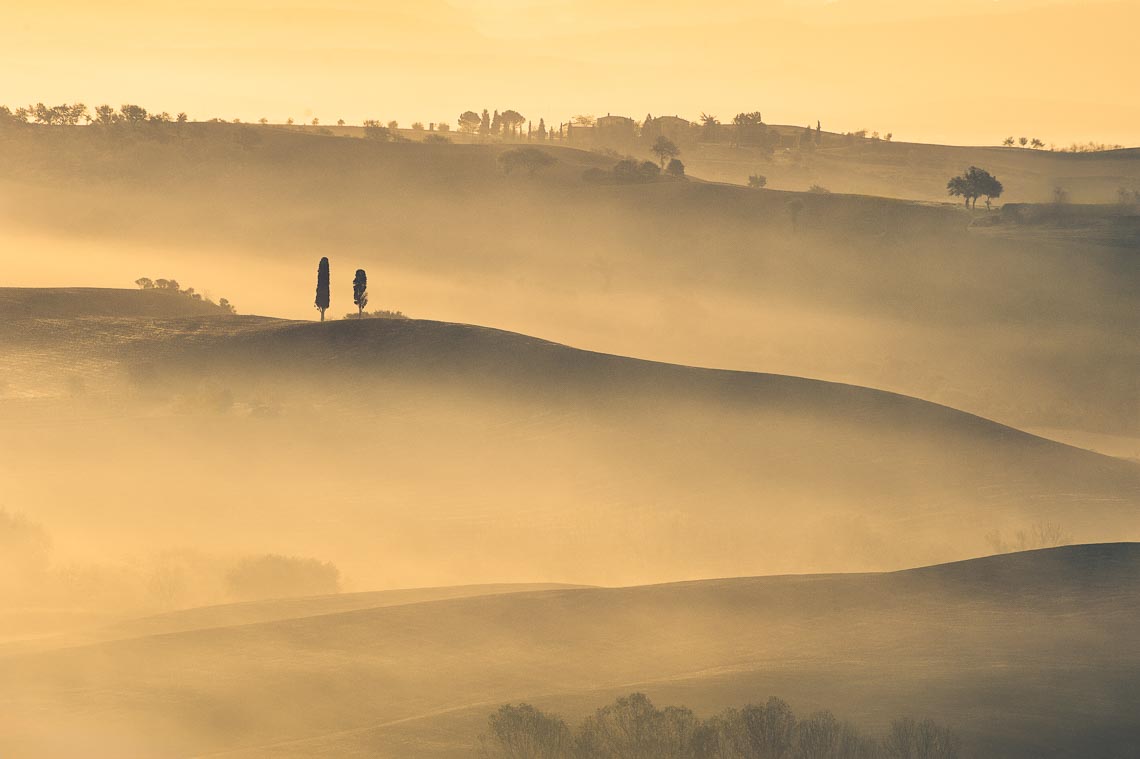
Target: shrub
x=531, y=159
x=757, y=181
x=378, y=314
x=275, y=576
x=596, y=175
x=374, y=131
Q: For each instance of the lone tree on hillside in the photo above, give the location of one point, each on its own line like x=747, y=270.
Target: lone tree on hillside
x=975, y=183
x=360, y=291
x=322, y=301
x=665, y=149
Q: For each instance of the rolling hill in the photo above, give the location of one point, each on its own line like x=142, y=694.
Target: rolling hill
x=489, y=456
x=1000, y=319
x=1024, y=655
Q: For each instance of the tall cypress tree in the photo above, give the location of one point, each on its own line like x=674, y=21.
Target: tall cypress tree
x=322, y=301
x=360, y=291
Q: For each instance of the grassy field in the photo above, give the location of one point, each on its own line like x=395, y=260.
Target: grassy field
x=1024, y=655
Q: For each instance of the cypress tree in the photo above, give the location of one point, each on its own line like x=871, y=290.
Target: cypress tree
x=360, y=291
x=322, y=301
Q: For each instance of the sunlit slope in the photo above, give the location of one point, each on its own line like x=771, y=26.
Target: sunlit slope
x=252, y=612
x=460, y=454
x=1025, y=655
x=919, y=172
x=1004, y=321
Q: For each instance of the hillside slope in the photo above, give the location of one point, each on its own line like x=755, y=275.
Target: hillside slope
x=1024, y=655
x=1003, y=321
x=489, y=456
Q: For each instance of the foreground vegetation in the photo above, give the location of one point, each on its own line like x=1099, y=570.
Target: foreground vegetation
x=633, y=728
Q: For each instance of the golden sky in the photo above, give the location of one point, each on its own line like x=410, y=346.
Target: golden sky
x=967, y=71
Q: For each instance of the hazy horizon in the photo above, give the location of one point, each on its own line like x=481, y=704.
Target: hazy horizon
x=975, y=72
x=726, y=439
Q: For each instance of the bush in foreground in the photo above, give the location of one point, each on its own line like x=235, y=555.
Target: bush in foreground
x=633, y=728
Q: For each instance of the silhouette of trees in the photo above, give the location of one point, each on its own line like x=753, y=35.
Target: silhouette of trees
x=105, y=114
x=973, y=184
x=469, y=122
x=1039, y=535
x=710, y=126
x=525, y=732
x=757, y=181
x=749, y=127
x=531, y=159
x=360, y=291
x=664, y=149
x=630, y=171
x=633, y=728
x=512, y=122
x=485, y=123
x=275, y=576
x=675, y=169
x=61, y=115
x=133, y=114
x=1008, y=142
x=1022, y=141
x=373, y=130
x=172, y=285
x=322, y=299
x=910, y=739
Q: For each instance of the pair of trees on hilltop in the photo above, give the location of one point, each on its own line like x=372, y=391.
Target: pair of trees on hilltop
x=359, y=289
x=975, y=183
